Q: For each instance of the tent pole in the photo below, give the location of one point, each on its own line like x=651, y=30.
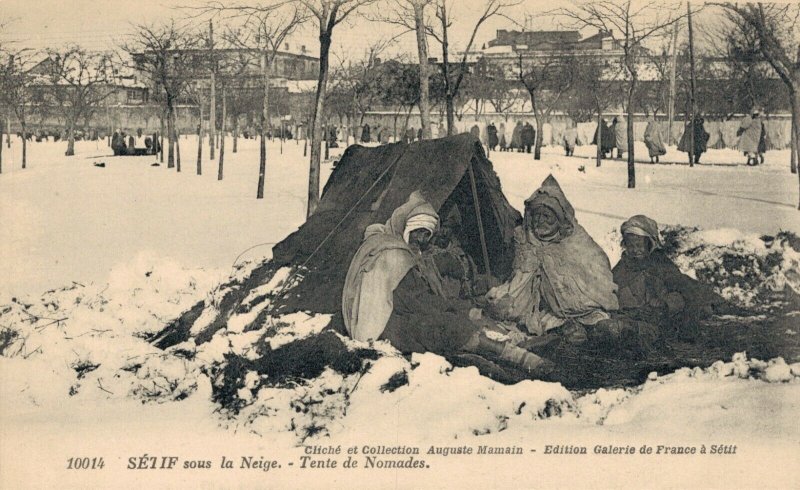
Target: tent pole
x=478, y=215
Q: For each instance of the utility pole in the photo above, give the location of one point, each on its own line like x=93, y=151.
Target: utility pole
x=673, y=68
x=691, y=67
x=212, y=112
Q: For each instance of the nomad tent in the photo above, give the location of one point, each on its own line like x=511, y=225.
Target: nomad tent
x=364, y=188
x=369, y=183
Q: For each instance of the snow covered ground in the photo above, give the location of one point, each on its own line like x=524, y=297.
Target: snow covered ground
x=125, y=248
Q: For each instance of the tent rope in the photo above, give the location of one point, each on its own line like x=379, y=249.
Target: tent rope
x=297, y=269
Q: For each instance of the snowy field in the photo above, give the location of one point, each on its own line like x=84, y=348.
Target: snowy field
x=104, y=254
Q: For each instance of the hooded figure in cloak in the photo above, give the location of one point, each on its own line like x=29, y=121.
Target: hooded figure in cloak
x=561, y=277
x=653, y=289
x=516, y=137
x=620, y=135
x=653, y=141
x=570, y=139
x=701, y=137
x=607, y=138
x=390, y=293
x=750, y=136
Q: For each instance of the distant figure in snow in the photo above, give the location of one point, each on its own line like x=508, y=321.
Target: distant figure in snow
x=750, y=134
x=700, y=139
x=620, y=135
x=475, y=131
x=570, y=139
x=607, y=138
x=502, y=141
x=492, y=136
x=528, y=137
x=762, y=143
x=118, y=143
x=365, y=136
x=332, y=137
x=516, y=137
x=653, y=141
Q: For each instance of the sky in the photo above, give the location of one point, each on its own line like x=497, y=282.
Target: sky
x=102, y=25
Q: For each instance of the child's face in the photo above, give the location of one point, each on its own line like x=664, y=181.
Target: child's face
x=637, y=246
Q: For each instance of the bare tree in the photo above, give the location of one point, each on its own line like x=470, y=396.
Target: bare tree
x=262, y=30
x=637, y=23
x=596, y=89
x=357, y=83
x=452, y=81
x=777, y=30
x=547, y=79
x=491, y=81
x=165, y=53
x=410, y=14
x=196, y=93
x=77, y=83
x=17, y=94
x=327, y=14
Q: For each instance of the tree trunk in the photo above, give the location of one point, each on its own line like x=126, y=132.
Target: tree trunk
x=599, y=137
x=176, y=136
x=235, y=133
x=793, y=145
x=25, y=145
x=2, y=130
x=70, y=139
x=170, y=138
x=449, y=103
x=222, y=138
x=692, y=156
x=326, y=135
x=212, y=121
x=796, y=130
x=161, y=138
x=200, y=143
x=422, y=50
x=672, y=81
x=631, y=167
x=537, y=142
x=177, y=152
x=262, y=164
x=316, y=121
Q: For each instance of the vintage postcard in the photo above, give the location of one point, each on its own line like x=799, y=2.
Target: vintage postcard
x=399, y=244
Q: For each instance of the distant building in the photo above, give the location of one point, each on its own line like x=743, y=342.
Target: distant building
x=239, y=71
x=546, y=42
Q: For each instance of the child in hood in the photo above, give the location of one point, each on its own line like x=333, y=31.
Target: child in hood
x=653, y=289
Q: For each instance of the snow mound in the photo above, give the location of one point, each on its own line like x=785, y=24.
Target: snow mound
x=266, y=373
x=772, y=371
x=93, y=338
x=743, y=268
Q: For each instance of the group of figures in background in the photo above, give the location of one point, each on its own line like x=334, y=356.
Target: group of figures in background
x=752, y=136
x=411, y=283
x=137, y=143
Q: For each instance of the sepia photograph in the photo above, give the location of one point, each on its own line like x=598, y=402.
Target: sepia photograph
x=407, y=244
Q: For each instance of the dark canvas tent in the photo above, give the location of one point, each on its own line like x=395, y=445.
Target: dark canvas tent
x=369, y=183
x=364, y=188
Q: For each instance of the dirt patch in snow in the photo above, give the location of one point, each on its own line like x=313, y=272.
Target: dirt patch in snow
x=292, y=363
